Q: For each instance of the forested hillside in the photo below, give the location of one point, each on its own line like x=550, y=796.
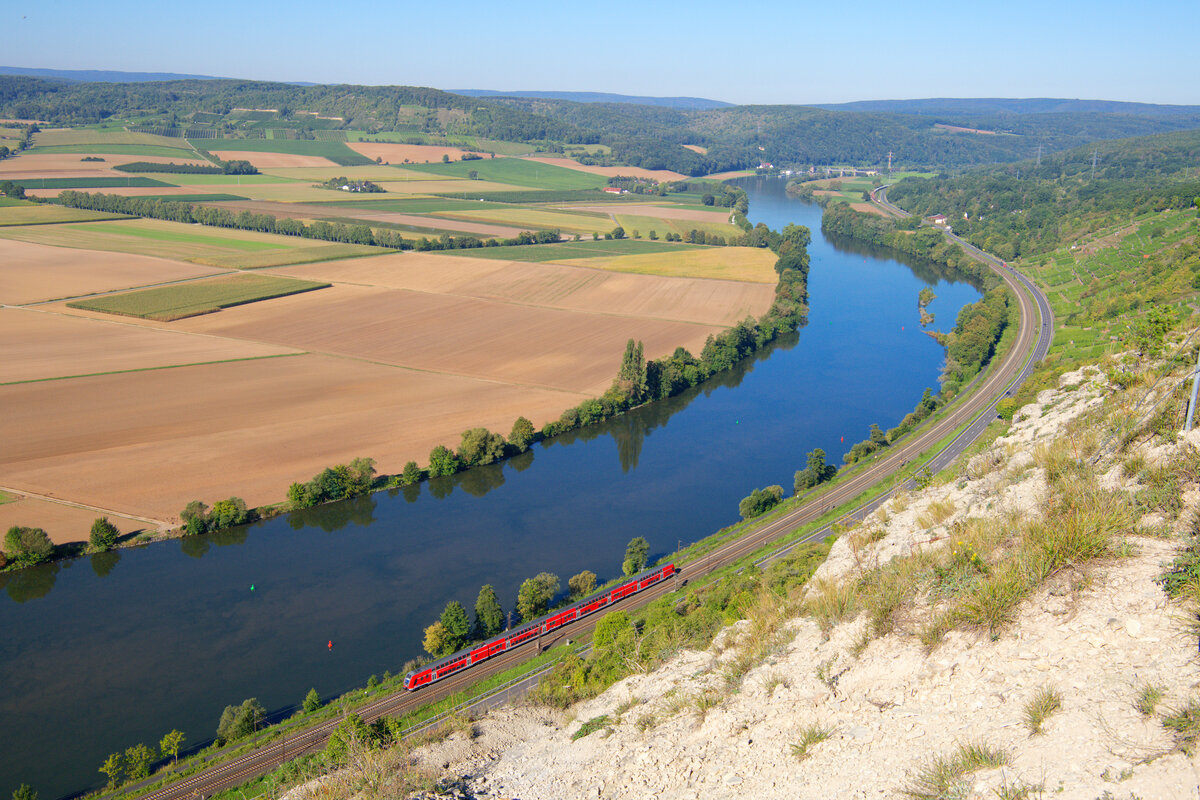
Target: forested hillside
x=1025, y=208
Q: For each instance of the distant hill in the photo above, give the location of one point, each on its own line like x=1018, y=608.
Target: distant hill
x=100, y=75
x=689, y=103
x=943, y=106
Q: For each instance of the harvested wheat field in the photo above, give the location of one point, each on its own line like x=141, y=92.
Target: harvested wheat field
x=149, y=442
x=610, y=172
x=63, y=523
x=551, y=286
x=750, y=264
x=665, y=211
x=496, y=341
x=394, y=153
x=312, y=211
x=31, y=272
x=272, y=160
x=41, y=345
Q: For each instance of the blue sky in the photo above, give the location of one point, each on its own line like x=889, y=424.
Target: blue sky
x=743, y=52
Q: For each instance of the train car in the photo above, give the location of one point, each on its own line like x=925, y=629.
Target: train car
x=463, y=659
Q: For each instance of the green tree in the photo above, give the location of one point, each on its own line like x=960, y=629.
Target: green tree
x=618, y=232
x=411, y=474
x=522, y=434
x=112, y=768
x=442, y=461
x=28, y=546
x=582, y=584
x=480, y=446
x=312, y=701
x=535, y=594
x=103, y=536
x=435, y=640
x=352, y=735
x=227, y=513
x=240, y=721
x=456, y=625
x=489, y=616
x=611, y=629
x=138, y=760
x=195, y=517
x=24, y=792
x=632, y=375
x=817, y=471
x=171, y=743
x=636, y=553
x=760, y=501
x=877, y=436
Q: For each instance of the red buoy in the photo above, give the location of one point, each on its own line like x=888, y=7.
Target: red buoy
x=331, y=644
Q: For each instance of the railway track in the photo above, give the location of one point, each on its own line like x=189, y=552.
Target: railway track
x=974, y=411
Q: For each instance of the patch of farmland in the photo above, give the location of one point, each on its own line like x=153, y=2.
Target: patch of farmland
x=541, y=347
x=517, y=171
x=662, y=225
x=393, y=153
x=42, y=345
x=62, y=523
x=168, y=303
x=247, y=427
x=148, y=151
x=27, y=165
x=414, y=205
x=38, y=214
x=373, y=172
x=221, y=247
x=674, y=212
x=551, y=285
x=429, y=226
x=536, y=219
x=182, y=179
x=450, y=187
x=750, y=264
x=332, y=152
x=32, y=272
x=661, y=175
x=565, y=251
x=59, y=137
x=269, y=160
x=93, y=182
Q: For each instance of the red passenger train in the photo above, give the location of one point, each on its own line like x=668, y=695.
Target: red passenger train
x=457, y=662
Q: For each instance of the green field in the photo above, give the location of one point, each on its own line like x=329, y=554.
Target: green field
x=182, y=179
x=517, y=172
x=98, y=182
x=564, y=251
x=337, y=152
x=194, y=198
x=218, y=247
x=117, y=150
x=546, y=196
x=538, y=219
x=415, y=205
x=19, y=212
x=169, y=303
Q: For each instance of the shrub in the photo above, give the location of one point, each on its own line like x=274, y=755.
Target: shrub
x=760, y=501
x=28, y=546
x=238, y=722
x=103, y=536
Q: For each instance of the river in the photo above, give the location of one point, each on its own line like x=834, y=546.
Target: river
x=110, y=650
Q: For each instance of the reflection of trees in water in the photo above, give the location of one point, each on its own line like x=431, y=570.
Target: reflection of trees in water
x=630, y=430
x=923, y=269
x=30, y=583
x=478, y=481
x=103, y=563
x=521, y=462
x=335, y=516
x=194, y=546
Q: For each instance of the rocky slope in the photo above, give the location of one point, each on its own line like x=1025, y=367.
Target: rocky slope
x=879, y=703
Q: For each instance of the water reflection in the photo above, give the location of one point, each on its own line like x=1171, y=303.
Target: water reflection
x=103, y=563
x=329, y=518
x=30, y=583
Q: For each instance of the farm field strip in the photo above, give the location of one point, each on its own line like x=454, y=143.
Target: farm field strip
x=661, y=225
x=279, y=420
x=267, y=160
x=44, y=345
x=527, y=219
x=661, y=175
x=37, y=214
x=49, y=272
x=518, y=171
x=548, y=285
x=167, y=303
x=665, y=211
x=64, y=522
x=750, y=264
x=222, y=247
x=375, y=173
x=394, y=153
x=424, y=225
x=565, y=251
x=162, y=151
x=514, y=344
x=329, y=152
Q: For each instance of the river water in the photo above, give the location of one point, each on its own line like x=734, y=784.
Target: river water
x=106, y=651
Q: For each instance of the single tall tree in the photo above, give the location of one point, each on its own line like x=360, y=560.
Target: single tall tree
x=536, y=593
x=489, y=616
x=636, y=553
x=456, y=624
x=171, y=743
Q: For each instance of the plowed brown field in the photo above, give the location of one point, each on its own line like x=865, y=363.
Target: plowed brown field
x=40, y=345
x=148, y=442
x=32, y=272
x=483, y=339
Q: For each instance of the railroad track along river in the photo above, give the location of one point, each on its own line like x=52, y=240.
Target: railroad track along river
x=972, y=412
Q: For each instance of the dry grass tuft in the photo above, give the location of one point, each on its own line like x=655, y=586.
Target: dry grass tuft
x=1044, y=703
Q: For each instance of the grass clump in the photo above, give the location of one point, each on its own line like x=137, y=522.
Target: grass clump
x=1044, y=703
x=944, y=777
x=591, y=726
x=810, y=736
x=1148, y=698
x=1184, y=723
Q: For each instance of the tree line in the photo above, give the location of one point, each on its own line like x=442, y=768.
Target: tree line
x=174, y=211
